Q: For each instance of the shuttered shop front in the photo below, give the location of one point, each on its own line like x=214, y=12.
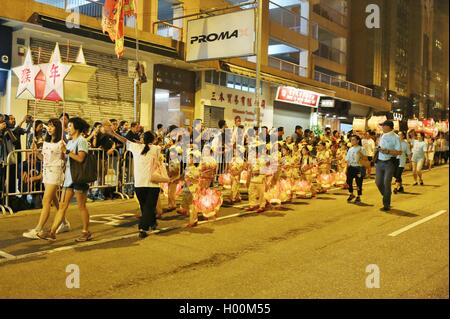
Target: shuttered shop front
x=110, y=90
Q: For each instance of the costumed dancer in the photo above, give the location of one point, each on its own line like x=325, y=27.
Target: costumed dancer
x=235, y=169
x=256, y=179
x=174, y=172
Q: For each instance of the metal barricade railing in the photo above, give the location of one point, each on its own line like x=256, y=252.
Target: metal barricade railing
x=127, y=185
x=108, y=170
x=23, y=178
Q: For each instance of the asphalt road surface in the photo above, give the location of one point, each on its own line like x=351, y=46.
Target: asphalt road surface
x=319, y=248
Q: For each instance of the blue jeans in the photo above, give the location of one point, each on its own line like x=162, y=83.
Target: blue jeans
x=385, y=171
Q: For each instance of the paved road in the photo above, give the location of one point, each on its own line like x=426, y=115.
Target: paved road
x=311, y=249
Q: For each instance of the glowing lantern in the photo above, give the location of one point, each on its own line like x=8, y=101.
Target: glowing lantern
x=225, y=180
x=273, y=195
x=244, y=177
x=285, y=186
x=340, y=178
x=303, y=188
x=325, y=180
x=413, y=124
x=208, y=201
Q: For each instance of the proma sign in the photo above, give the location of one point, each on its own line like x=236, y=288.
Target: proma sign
x=223, y=36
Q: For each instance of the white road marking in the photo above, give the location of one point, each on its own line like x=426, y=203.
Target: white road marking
x=6, y=255
x=424, y=220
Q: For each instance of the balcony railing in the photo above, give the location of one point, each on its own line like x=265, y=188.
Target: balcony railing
x=330, y=14
x=291, y=20
x=288, y=66
x=331, y=80
x=168, y=30
x=331, y=54
x=91, y=8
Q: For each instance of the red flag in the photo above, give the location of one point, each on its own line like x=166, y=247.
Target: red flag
x=114, y=12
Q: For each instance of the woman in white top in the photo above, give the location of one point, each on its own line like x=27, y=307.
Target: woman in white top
x=145, y=158
x=53, y=176
x=419, y=148
x=431, y=148
x=368, y=145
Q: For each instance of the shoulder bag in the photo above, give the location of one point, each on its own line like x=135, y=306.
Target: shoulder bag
x=86, y=171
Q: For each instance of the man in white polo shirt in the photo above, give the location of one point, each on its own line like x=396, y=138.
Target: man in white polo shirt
x=388, y=149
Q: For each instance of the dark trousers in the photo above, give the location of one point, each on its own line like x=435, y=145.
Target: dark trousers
x=385, y=172
x=355, y=173
x=148, y=198
x=398, y=174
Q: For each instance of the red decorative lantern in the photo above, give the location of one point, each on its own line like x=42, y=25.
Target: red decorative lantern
x=225, y=180
x=208, y=201
x=39, y=83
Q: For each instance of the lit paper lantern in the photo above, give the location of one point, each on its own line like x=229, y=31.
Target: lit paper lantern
x=413, y=124
x=396, y=125
x=165, y=189
x=244, y=177
x=359, y=124
x=302, y=188
x=325, y=180
x=273, y=195
x=285, y=186
x=225, y=180
x=207, y=201
x=340, y=178
x=431, y=131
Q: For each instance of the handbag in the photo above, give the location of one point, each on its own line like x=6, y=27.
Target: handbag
x=159, y=174
x=86, y=171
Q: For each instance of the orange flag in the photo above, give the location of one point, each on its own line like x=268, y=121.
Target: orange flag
x=114, y=13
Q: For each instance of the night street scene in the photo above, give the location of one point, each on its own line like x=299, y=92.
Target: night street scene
x=224, y=155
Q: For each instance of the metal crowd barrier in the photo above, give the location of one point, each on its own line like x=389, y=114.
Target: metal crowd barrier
x=15, y=179
x=127, y=184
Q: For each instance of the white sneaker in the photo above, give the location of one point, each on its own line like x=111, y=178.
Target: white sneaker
x=31, y=234
x=63, y=228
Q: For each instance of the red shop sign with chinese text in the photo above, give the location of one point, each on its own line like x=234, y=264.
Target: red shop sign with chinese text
x=297, y=96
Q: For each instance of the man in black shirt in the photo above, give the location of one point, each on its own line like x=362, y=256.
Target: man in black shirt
x=133, y=133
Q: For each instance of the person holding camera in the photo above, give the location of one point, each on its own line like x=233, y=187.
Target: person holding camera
x=389, y=148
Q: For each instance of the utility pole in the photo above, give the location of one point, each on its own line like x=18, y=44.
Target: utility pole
x=258, y=61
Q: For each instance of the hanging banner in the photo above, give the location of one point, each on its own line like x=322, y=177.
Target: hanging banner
x=222, y=36
x=298, y=96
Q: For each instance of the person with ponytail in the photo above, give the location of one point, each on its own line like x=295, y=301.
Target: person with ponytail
x=355, y=169
x=145, y=159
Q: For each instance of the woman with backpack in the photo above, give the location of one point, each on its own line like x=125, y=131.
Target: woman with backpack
x=77, y=149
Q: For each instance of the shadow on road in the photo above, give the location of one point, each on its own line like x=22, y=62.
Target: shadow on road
x=326, y=198
x=401, y=213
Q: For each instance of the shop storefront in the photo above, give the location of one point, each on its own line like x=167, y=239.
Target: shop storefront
x=174, y=96
x=225, y=95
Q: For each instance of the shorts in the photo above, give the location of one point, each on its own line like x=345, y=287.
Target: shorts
x=419, y=164
x=78, y=188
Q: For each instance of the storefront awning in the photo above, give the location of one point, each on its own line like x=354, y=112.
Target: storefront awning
x=267, y=77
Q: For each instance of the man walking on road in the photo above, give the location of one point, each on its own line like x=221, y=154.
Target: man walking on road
x=388, y=150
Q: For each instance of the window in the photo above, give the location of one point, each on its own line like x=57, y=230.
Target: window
x=237, y=82
x=215, y=78
x=230, y=81
x=245, y=84
x=208, y=76
x=223, y=79
x=251, y=85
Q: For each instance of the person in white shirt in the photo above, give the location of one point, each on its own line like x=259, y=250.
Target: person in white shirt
x=431, y=149
x=388, y=149
x=419, y=149
x=368, y=145
x=53, y=177
x=402, y=158
x=145, y=159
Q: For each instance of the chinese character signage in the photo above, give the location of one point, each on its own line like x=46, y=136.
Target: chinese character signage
x=55, y=80
x=297, y=96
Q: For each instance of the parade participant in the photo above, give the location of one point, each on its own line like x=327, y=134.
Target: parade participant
x=256, y=179
x=388, y=150
x=431, y=148
x=191, y=181
x=307, y=164
x=323, y=158
x=147, y=165
x=341, y=155
x=355, y=170
x=368, y=144
x=419, y=148
x=77, y=149
x=174, y=171
x=235, y=169
x=53, y=177
x=402, y=158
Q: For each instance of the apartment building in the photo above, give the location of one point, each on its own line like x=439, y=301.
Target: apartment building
x=406, y=59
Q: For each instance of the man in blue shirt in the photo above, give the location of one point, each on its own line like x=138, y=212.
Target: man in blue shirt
x=388, y=149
